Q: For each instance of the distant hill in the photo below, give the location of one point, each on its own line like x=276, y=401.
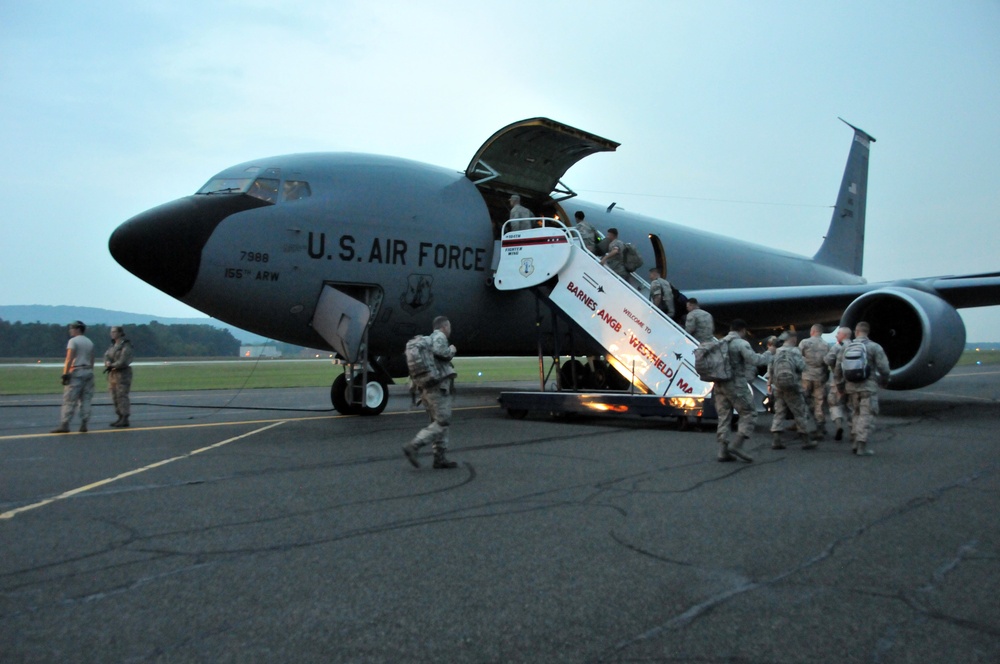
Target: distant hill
x=62, y=314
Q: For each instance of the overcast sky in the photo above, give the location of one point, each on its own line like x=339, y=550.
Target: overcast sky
x=726, y=112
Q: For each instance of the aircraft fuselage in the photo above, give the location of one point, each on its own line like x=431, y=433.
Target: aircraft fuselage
x=422, y=234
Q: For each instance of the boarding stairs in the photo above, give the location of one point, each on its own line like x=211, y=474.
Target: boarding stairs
x=642, y=343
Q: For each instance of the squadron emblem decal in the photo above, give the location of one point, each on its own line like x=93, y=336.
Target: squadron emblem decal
x=418, y=295
x=527, y=267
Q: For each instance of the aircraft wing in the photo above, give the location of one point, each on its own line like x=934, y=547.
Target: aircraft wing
x=779, y=306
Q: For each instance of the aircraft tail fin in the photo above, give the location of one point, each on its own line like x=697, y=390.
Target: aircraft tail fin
x=844, y=245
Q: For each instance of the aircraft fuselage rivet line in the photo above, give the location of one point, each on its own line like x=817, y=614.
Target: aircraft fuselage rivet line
x=72, y=492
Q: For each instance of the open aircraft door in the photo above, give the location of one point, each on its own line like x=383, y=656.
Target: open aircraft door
x=529, y=158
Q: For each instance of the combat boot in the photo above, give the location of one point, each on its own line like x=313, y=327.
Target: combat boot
x=863, y=449
x=83, y=426
x=776, y=443
x=809, y=441
x=124, y=422
x=410, y=450
x=735, y=448
x=839, y=436
x=724, y=454
x=116, y=423
x=440, y=462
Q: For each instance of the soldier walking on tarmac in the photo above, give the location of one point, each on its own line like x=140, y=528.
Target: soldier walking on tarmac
x=816, y=374
x=786, y=383
x=837, y=398
x=436, y=395
x=735, y=393
x=862, y=389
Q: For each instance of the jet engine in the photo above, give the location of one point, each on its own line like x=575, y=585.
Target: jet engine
x=922, y=335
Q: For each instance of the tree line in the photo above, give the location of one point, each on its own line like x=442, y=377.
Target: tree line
x=39, y=340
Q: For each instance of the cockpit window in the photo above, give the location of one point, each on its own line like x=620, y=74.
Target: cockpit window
x=226, y=186
x=296, y=189
x=266, y=189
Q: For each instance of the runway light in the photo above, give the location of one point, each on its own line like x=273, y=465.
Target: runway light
x=480, y=374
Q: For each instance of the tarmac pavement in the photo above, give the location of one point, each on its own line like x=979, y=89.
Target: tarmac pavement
x=220, y=528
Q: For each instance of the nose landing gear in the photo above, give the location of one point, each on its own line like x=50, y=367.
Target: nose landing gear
x=359, y=393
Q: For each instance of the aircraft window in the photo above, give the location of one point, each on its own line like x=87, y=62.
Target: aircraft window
x=225, y=186
x=266, y=189
x=296, y=189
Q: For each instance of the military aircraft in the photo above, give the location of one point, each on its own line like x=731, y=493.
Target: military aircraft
x=357, y=253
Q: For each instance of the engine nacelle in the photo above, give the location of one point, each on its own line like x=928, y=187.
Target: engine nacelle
x=922, y=335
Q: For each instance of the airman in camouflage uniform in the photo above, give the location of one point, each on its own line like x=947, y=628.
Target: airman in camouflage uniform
x=77, y=378
x=735, y=394
x=661, y=293
x=816, y=374
x=117, y=365
x=520, y=214
x=699, y=323
x=836, y=397
x=587, y=232
x=790, y=398
x=436, y=396
x=863, y=396
x=614, y=259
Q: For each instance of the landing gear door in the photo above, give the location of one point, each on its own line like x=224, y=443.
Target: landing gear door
x=531, y=156
x=342, y=318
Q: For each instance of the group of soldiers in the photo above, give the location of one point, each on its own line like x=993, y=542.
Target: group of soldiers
x=806, y=380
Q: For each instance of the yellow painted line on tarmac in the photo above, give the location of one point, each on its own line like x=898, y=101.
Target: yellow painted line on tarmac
x=958, y=396
x=165, y=427
x=271, y=424
x=227, y=423
x=972, y=374
x=72, y=492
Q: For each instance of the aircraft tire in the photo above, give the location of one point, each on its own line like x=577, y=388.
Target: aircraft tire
x=376, y=397
x=338, y=397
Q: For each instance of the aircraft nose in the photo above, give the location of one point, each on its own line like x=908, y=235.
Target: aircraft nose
x=163, y=246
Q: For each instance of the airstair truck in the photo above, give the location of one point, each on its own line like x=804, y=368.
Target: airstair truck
x=651, y=351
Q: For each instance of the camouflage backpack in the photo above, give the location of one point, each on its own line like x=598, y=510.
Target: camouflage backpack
x=631, y=258
x=783, y=372
x=420, y=361
x=711, y=361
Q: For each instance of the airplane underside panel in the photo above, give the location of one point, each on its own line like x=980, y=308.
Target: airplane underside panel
x=342, y=319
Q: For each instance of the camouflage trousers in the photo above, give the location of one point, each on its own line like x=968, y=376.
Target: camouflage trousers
x=119, y=385
x=864, y=408
x=437, y=401
x=79, y=393
x=790, y=399
x=839, y=409
x=814, y=392
x=734, y=395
